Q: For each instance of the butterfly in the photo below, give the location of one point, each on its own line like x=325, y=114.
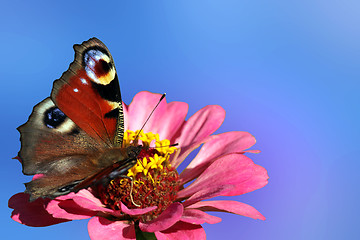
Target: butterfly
x=73, y=138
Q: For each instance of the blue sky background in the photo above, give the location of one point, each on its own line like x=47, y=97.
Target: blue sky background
x=286, y=71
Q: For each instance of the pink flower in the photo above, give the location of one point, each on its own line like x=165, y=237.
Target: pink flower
x=167, y=208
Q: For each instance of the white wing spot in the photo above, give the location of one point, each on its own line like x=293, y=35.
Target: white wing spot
x=83, y=81
x=76, y=90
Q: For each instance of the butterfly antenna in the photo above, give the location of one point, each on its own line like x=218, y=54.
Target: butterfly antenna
x=137, y=136
x=171, y=145
x=161, y=98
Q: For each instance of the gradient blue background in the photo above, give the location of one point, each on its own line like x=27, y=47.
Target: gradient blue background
x=288, y=72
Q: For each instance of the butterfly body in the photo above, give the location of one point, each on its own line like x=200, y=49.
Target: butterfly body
x=74, y=138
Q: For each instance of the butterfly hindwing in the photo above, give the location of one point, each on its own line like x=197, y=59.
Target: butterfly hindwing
x=53, y=145
x=50, y=135
x=67, y=159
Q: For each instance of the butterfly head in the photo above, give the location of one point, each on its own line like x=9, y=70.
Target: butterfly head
x=134, y=151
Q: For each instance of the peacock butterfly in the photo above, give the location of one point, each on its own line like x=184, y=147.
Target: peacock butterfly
x=74, y=137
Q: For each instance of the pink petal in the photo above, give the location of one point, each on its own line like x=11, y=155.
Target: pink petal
x=91, y=200
x=220, y=174
x=251, y=151
x=83, y=193
x=199, y=126
x=101, y=228
x=31, y=213
x=166, y=119
x=87, y=200
x=258, y=180
x=230, y=175
x=75, y=206
x=228, y=206
x=68, y=209
x=182, y=231
x=37, y=176
x=179, y=156
x=165, y=220
x=195, y=216
x=230, y=142
x=171, y=121
x=137, y=211
x=140, y=108
x=203, y=123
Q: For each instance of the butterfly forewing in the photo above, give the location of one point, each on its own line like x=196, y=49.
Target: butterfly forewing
x=89, y=93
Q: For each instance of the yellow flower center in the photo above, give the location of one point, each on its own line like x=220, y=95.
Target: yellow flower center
x=157, y=162
x=152, y=181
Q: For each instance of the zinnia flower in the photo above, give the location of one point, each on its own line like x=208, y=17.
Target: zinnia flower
x=157, y=200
